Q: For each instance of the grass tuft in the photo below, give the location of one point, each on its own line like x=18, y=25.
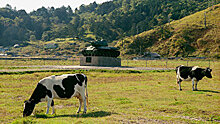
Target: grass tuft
x=24, y=121
x=43, y=116
x=177, y=103
x=123, y=100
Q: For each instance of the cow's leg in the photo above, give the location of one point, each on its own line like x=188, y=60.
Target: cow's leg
x=179, y=82
x=192, y=84
x=196, y=85
x=82, y=93
x=52, y=105
x=84, y=100
x=49, y=101
x=80, y=103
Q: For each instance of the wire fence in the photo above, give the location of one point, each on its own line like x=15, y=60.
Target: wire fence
x=160, y=63
x=165, y=63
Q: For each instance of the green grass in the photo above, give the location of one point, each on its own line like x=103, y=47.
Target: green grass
x=13, y=67
x=17, y=64
x=169, y=63
x=29, y=62
x=121, y=97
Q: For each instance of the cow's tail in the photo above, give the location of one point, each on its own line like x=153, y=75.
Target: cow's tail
x=86, y=93
x=177, y=73
x=177, y=68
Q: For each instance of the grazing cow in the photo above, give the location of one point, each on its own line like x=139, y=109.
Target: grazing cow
x=61, y=87
x=186, y=73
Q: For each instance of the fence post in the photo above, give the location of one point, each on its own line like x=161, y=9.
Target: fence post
x=209, y=63
x=166, y=62
x=146, y=63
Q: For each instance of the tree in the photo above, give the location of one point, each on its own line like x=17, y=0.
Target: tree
x=33, y=38
x=70, y=11
x=45, y=36
x=8, y=6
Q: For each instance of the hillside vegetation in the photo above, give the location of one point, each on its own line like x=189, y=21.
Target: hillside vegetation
x=110, y=20
x=185, y=37
x=57, y=47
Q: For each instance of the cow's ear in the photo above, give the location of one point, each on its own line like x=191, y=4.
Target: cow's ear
x=209, y=69
x=31, y=101
x=26, y=101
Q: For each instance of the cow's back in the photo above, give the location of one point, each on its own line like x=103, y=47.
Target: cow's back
x=184, y=71
x=63, y=86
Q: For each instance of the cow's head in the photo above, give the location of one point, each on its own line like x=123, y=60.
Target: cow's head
x=28, y=107
x=208, y=73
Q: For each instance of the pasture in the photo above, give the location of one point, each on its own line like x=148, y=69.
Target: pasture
x=163, y=63
x=117, y=97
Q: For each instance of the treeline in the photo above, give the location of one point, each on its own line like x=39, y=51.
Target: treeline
x=111, y=20
x=43, y=24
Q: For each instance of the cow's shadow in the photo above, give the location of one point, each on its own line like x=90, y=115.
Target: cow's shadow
x=211, y=91
x=89, y=114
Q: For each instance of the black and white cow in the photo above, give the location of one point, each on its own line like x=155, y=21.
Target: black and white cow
x=186, y=73
x=61, y=87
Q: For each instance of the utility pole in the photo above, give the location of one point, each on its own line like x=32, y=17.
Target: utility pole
x=169, y=15
x=205, y=19
x=212, y=4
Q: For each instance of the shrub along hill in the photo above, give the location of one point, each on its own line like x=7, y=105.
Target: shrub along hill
x=58, y=47
x=194, y=35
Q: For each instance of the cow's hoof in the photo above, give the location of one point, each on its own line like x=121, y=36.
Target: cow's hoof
x=84, y=112
x=180, y=89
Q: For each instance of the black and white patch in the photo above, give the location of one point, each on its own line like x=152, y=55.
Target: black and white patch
x=68, y=86
x=61, y=87
x=193, y=73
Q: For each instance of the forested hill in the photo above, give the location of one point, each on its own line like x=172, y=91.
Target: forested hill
x=194, y=35
x=110, y=20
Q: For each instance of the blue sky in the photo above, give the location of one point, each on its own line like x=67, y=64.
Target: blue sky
x=30, y=5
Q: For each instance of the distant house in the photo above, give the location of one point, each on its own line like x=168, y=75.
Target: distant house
x=16, y=46
x=2, y=50
x=148, y=56
x=2, y=54
x=51, y=46
x=12, y=54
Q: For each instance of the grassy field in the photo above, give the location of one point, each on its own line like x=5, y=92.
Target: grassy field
x=169, y=63
x=117, y=97
x=26, y=62
x=163, y=63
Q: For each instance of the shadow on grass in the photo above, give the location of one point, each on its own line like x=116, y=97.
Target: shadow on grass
x=90, y=114
x=211, y=91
